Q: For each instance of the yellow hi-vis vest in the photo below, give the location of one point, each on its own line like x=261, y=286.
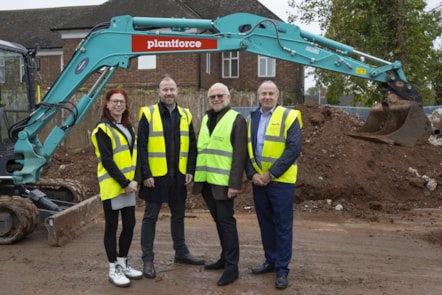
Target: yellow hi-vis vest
x=214, y=160
x=156, y=148
x=274, y=143
x=125, y=161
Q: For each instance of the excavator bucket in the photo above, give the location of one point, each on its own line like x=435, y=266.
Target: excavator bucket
x=400, y=122
x=67, y=224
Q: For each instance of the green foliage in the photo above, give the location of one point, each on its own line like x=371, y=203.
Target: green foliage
x=287, y=99
x=313, y=91
x=83, y=89
x=436, y=94
x=233, y=91
x=186, y=90
x=147, y=92
x=394, y=30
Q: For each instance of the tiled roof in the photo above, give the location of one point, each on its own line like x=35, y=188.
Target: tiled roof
x=213, y=9
x=29, y=27
x=153, y=8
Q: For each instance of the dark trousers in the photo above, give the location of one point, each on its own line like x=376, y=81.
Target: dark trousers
x=110, y=232
x=222, y=213
x=177, y=206
x=274, y=210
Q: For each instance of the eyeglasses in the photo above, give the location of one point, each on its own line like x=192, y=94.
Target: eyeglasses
x=219, y=96
x=116, y=102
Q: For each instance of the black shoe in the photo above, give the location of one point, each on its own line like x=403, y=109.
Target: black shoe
x=265, y=268
x=189, y=259
x=228, y=277
x=215, y=266
x=149, y=270
x=281, y=282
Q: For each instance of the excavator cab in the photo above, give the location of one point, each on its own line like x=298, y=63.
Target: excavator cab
x=396, y=120
x=61, y=204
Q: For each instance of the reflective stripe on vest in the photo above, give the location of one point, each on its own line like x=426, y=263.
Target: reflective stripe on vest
x=274, y=143
x=125, y=161
x=214, y=160
x=156, y=148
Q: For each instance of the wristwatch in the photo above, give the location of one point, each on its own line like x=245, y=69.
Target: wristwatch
x=271, y=175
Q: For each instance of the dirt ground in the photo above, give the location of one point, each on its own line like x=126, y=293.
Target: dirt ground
x=368, y=220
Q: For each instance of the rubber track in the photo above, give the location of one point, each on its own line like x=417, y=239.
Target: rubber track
x=24, y=214
x=76, y=189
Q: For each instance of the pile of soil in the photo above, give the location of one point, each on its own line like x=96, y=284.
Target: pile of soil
x=336, y=172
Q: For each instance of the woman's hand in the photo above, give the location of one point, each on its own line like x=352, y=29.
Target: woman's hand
x=132, y=187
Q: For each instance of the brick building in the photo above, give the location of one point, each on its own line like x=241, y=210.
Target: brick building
x=59, y=30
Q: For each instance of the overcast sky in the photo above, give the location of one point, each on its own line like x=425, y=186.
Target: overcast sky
x=279, y=7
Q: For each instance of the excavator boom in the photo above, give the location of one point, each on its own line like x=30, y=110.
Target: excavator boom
x=135, y=36
x=114, y=44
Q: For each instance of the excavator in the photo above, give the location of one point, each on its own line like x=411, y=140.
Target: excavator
x=399, y=119
x=22, y=206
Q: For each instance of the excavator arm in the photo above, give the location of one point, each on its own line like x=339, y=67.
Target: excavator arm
x=113, y=45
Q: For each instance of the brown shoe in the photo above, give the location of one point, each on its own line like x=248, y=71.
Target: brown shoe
x=149, y=270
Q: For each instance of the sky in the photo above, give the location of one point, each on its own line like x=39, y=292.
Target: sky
x=279, y=7
x=30, y=4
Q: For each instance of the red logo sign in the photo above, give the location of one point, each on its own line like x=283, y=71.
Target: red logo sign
x=167, y=43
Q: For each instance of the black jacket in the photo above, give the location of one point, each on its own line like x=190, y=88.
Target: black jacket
x=171, y=131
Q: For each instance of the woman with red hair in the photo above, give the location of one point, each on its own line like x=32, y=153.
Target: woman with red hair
x=114, y=141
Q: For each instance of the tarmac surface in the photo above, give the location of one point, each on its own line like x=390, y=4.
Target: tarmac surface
x=333, y=254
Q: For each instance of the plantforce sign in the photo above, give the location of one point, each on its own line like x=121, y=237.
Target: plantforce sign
x=166, y=43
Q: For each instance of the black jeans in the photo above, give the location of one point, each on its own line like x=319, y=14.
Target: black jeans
x=177, y=205
x=222, y=213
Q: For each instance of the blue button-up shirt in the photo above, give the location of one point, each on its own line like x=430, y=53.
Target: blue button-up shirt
x=260, y=136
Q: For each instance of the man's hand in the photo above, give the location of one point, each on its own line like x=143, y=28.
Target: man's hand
x=261, y=180
x=189, y=179
x=231, y=193
x=149, y=182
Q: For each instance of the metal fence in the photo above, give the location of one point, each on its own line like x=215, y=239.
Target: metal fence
x=361, y=112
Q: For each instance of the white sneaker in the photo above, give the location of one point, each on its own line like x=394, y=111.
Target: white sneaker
x=117, y=277
x=127, y=270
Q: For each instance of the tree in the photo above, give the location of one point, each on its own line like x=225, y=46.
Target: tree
x=388, y=29
x=437, y=78
x=437, y=69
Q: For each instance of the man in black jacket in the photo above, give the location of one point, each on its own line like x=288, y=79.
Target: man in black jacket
x=167, y=153
x=222, y=154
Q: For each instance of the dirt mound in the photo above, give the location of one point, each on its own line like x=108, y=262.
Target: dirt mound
x=365, y=178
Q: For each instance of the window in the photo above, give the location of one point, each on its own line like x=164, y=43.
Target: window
x=22, y=69
x=208, y=65
x=2, y=70
x=266, y=66
x=147, y=62
x=230, y=64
